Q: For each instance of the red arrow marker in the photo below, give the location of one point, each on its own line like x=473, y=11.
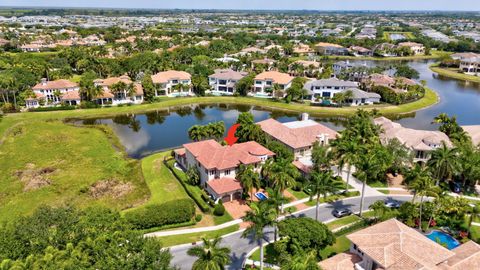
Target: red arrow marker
x=231, y=139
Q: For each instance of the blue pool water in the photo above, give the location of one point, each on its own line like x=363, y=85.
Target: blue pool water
x=443, y=239
x=261, y=196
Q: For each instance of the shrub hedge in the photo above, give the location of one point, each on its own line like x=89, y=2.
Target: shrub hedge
x=219, y=210
x=156, y=215
x=49, y=109
x=193, y=191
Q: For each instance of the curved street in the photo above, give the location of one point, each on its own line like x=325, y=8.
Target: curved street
x=241, y=246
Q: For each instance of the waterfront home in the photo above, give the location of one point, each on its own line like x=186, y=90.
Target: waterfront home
x=299, y=137
x=470, y=64
x=172, y=83
x=265, y=63
x=360, y=51
x=310, y=68
x=52, y=92
x=420, y=142
x=131, y=92
x=265, y=81
x=324, y=48
x=223, y=81
x=303, y=50
x=385, y=50
x=354, y=71
x=327, y=88
x=416, y=48
x=391, y=245
x=217, y=165
x=397, y=84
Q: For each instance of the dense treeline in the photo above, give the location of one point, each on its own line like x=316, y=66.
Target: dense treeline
x=68, y=238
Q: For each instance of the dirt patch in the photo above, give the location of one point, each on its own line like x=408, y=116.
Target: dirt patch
x=111, y=188
x=34, y=178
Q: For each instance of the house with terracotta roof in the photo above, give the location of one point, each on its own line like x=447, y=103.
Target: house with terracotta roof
x=217, y=164
x=52, y=92
x=114, y=96
x=223, y=81
x=299, y=137
x=303, y=50
x=420, y=142
x=324, y=48
x=397, y=84
x=416, y=48
x=265, y=81
x=473, y=131
x=391, y=245
x=172, y=83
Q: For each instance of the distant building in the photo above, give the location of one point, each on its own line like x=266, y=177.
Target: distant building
x=324, y=48
x=265, y=81
x=122, y=96
x=167, y=83
x=223, y=81
x=416, y=48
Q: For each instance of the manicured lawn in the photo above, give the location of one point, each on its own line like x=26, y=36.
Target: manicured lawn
x=377, y=184
x=173, y=240
x=433, y=55
x=454, y=73
x=269, y=253
x=342, y=222
x=65, y=161
x=162, y=183
x=298, y=194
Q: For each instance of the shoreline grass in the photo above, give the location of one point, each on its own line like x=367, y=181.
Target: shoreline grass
x=454, y=74
x=433, y=55
x=173, y=240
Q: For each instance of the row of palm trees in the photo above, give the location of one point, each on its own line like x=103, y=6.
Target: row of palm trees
x=213, y=130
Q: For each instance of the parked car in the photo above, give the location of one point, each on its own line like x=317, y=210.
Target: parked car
x=342, y=212
x=392, y=203
x=455, y=186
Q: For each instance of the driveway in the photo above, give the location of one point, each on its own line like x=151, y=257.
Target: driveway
x=241, y=246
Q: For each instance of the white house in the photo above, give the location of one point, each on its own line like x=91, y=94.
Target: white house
x=52, y=92
x=416, y=48
x=223, y=81
x=166, y=83
x=119, y=97
x=327, y=88
x=265, y=81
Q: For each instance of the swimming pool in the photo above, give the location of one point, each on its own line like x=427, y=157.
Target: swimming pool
x=261, y=196
x=443, y=239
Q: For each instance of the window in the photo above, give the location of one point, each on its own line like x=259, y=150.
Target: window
x=326, y=94
x=227, y=172
x=268, y=82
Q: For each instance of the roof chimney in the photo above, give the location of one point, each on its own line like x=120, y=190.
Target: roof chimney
x=44, y=81
x=304, y=116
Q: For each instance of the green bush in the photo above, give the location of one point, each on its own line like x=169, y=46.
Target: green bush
x=198, y=218
x=193, y=191
x=49, y=109
x=219, y=210
x=157, y=215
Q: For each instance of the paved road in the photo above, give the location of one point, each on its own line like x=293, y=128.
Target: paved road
x=241, y=246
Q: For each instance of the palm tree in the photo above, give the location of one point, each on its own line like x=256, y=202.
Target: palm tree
x=365, y=163
x=379, y=209
x=412, y=175
x=281, y=174
x=475, y=212
x=276, y=200
x=444, y=162
x=249, y=178
x=346, y=152
x=321, y=184
x=302, y=261
x=260, y=216
x=210, y=255
x=424, y=186
x=194, y=133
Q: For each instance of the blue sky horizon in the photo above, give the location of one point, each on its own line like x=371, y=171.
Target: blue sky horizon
x=350, y=5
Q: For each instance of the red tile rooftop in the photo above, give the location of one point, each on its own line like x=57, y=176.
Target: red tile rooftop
x=212, y=155
x=224, y=185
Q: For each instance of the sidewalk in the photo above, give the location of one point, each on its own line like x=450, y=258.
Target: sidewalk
x=194, y=230
x=357, y=184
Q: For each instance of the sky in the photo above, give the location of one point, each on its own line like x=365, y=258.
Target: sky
x=467, y=5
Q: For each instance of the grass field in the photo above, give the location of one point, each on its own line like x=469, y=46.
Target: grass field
x=173, y=240
x=48, y=162
x=454, y=73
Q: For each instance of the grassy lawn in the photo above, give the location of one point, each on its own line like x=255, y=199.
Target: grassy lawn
x=269, y=252
x=173, y=240
x=51, y=163
x=454, y=73
x=342, y=244
x=298, y=194
x=378, y=184
x=162, y=183
x=342, y=222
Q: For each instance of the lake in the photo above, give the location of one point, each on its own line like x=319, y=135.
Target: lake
x=143, y=134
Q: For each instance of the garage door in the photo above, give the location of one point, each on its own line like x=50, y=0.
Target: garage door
x=226, y=198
